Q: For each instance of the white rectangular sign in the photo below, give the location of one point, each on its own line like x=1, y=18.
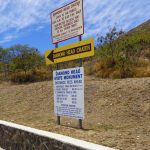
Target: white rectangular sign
x=69, y=92
x=67, y=22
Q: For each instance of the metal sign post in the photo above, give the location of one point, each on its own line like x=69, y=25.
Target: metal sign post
x=57, y=68
x=81, y=64
x=68, y=22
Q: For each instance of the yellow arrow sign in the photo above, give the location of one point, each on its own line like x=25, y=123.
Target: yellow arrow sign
x=73, y=51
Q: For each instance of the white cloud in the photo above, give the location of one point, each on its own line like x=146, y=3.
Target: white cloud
x=125, y=14
x=7, y=38
x=18, y=15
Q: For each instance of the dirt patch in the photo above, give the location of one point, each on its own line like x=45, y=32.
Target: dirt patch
x=117, y=112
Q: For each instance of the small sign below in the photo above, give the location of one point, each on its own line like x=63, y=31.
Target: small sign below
x=67, y=21
x=69, y=92
x=73, y=51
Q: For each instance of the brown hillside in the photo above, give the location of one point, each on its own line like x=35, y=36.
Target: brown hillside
x=117, y=112
x=144, y=27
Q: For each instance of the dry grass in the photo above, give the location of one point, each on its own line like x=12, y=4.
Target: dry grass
x=142, y=71
x=108, y=69
x=31, y=76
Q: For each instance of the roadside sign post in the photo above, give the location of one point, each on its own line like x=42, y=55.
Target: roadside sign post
x=73, y=51
x=81, y=64
x=68, y=22
x=57, y=68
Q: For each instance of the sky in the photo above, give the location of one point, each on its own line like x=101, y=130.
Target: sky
x=28, y=21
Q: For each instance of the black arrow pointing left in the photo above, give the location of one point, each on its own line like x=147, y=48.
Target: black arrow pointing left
x=50, y=56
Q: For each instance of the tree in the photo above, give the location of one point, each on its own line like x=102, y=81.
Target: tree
x=109, y=41
x=24, y=58
x=4, y=62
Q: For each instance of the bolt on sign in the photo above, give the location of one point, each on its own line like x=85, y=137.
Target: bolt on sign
x=69, y=92
x=67, y=21
x=73, y=51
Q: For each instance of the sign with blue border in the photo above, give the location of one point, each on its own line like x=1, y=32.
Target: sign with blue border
x=69, y=92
